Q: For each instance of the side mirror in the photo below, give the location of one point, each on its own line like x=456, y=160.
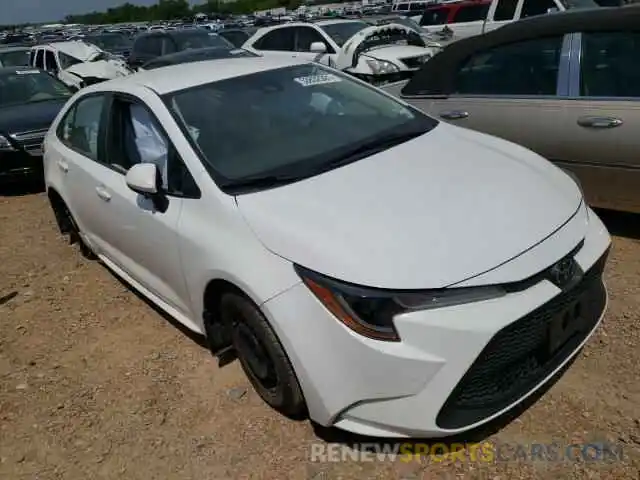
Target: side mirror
x=318, y=47
x=142, y=178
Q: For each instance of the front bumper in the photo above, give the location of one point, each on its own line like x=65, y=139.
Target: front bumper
x=455, y=368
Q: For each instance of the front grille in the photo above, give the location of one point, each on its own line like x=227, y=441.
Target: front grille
x=31, y=141
x=517, y=358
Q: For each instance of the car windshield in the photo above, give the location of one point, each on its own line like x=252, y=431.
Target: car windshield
x=290, y=123
x=27, y=86
x=14, y=58
x=110, y=41
x=340, y=32
x=568, y=4
x=196, y=39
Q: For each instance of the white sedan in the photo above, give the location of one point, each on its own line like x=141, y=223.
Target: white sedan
x=384, y=272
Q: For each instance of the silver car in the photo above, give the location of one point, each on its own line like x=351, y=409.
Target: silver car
x=565, y=85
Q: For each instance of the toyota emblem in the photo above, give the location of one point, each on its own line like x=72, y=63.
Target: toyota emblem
x=563, y=272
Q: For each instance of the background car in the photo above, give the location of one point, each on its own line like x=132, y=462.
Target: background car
x=29, y=101
x=112, y=42
x=148, y=46
x=197, y=55
x=14, y=56
x=565, y=85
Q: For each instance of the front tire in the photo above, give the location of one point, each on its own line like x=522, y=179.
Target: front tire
x=261, y=355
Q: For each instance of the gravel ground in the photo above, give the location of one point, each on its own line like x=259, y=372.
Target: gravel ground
x=98, y=384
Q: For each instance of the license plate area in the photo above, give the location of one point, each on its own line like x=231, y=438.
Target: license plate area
x=564, y=326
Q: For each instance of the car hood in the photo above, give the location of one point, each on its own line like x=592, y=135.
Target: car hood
x=429, y=213
x=104, y=69
x=30, y=116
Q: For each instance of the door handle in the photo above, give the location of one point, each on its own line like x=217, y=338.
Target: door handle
x=454, y=114
x=103, y=194
x=599, y=122
x=62, y=165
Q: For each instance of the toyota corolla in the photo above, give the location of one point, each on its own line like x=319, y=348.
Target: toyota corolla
x=384, y=272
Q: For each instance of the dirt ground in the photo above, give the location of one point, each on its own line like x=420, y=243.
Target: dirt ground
x=96, y=384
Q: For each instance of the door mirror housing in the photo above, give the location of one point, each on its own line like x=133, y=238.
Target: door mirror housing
x=143, y=178
x=318, y=47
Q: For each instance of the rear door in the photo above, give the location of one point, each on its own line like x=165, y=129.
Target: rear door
x=602, y=144
x=511, y=91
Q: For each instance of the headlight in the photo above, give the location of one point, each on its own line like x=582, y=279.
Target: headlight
x=381, y=67
x=5, y=145
x=370, y=311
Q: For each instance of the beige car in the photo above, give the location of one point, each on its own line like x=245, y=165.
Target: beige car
x=565, y=85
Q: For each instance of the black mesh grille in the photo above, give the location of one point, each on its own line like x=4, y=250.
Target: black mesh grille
x=519, y=356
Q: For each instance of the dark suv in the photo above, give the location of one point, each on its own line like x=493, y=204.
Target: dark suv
x=149, y=46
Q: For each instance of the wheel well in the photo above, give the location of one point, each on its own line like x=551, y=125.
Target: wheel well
x=59, y=210
x=214, y=291
x=218, y=335
x=55, y=198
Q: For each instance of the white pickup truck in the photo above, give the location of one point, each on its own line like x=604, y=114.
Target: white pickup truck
x=474, y=17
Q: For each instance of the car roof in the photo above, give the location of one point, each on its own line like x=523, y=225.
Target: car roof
x=438, y=72
x=196, y=54
x=186, y=75
x=323, y=23
x=76, y=48
x=175, y=33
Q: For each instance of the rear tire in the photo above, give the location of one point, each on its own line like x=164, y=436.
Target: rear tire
x=261, y=355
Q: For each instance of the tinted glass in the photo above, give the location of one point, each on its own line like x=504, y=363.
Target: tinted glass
x=50, y=61
x=199, y=40
x=199, y=55
x=343, y=31
x=305, y=36
x=236, y=37
x=505, y=10
x=282, y=39
x=524, y=68
x=471, y=13
x=435, y=16
x=609, y=66
x=40, y=58
x=27, y=86
x=110, y=41
x=14, y=58
x=531, y=8
x=294, y=119
x=149, y=45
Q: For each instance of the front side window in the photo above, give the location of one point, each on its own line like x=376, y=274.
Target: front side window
x=294, y=122
x=609, y=65
x=523, y=68
x=471, y=13
x=531, y=8
x=50, y=61
x=435, y=16
x=30, y=86
x=80, y=126
x=505, y=10
x=281, y=39
x=305, y=36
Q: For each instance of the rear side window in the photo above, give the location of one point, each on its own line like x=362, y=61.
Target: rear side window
x=523, y=68
x=50, y=61
x=609, y=65
x=470, y=13
x=79, y=128
x=40, y=59
x=434, y=16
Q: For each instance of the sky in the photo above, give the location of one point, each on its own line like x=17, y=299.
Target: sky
x=23, y=11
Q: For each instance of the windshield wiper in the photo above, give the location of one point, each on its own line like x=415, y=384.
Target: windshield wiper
x=367, y=149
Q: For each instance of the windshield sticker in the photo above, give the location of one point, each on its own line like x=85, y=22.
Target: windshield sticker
x=311, y=80
x=26, y=72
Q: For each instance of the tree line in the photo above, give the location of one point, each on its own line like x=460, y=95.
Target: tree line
x=176, y=9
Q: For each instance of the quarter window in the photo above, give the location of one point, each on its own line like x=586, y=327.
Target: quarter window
x=609, y=66
x=80, y=126
x=523, y=68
